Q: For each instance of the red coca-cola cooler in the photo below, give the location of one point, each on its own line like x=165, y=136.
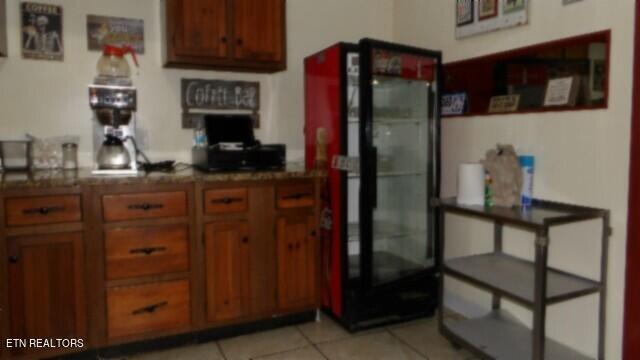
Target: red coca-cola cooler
x=375, y=104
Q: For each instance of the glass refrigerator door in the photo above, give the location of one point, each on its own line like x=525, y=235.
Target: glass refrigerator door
x=399, y=135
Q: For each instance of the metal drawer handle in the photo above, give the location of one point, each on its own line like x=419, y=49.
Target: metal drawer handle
x=148, y=251
x=226, y=200
x=145, y=206
x=296, y=196
x=43, y=210
x=150, y=309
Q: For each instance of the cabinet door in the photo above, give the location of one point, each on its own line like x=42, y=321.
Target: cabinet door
x=46, y=291
x=296, y=261
x=200, y=27
x=259, y=30
x=227, y=270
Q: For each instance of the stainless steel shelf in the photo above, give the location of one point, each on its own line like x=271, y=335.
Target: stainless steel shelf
x=514, y=278
x=499, y=335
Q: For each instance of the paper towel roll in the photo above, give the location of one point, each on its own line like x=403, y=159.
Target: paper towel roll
x=470, y=184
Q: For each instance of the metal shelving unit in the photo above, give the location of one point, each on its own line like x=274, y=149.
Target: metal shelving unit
x=531, y=284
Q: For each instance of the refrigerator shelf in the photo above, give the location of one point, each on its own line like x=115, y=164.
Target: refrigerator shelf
x=392, y=174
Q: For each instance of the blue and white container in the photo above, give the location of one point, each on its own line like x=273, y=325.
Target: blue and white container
x=527, y=164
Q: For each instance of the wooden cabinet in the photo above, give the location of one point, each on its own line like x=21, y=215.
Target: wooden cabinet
x=241, y=35
x=297, y=282
x=46, y=287
x=117, y=264
x=227, y=270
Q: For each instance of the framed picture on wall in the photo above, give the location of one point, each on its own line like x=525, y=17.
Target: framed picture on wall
x=41, y=31
x=510, y=6
x=464, y=12
x=487, y=9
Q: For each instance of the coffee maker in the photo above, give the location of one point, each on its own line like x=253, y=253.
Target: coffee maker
x=114, y=125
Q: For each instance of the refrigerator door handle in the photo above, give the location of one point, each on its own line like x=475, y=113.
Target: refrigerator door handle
x=374, y=177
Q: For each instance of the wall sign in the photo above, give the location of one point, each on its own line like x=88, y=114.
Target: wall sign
x=491, y=15
x=42, y=31
x=105, y=30
x=216, y=96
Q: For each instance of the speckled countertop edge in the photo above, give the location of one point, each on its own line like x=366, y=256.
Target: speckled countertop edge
x=83, y=177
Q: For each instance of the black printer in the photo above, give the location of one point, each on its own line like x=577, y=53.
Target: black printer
x=232, y=146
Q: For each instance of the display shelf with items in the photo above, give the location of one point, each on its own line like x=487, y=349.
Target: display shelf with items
x=532, y=284
x=565, y=74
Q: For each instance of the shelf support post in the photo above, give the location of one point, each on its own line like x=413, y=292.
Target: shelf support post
x=497, y=248
x=604, y=259
x=540, y=293
x=440, y=247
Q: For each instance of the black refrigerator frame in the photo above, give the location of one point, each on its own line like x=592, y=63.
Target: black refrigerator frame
x=366, y=306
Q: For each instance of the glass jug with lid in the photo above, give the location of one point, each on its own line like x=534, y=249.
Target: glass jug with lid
x=112, y=62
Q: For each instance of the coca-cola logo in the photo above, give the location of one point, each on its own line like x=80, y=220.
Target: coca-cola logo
x=387, y=64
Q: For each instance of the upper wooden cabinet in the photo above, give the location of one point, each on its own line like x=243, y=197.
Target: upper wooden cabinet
x=235, y=35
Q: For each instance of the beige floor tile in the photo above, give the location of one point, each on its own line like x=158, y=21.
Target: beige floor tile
x=265, y=343
x=324, y=330
x=425, y=338
x=376, y=346
x=208, y=351
x=308, y=353
x=425, y=320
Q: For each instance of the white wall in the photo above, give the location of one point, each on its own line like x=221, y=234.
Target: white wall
x=50, y=98
x=582, y=156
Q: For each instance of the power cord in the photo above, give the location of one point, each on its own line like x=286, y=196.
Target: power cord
x=148, y=166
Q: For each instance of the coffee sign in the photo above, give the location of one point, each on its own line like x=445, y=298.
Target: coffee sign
x=220, y=95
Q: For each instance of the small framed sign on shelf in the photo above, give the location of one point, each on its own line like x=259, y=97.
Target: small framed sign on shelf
x=454, y=104
x=562, y=91
x=504, y=103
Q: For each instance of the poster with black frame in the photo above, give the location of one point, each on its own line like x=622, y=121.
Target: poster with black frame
x=464, y=12
x=107, y=30
x=42, y=31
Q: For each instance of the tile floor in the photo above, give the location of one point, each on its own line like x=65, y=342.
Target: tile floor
x=325, y=340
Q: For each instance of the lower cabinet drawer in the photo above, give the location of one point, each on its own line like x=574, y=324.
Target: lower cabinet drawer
x=295, y=196
x=138, y=310
x=143, y=251
x=39, y=210
x=144, y=206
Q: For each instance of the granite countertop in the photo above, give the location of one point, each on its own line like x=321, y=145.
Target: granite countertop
x=63, y=178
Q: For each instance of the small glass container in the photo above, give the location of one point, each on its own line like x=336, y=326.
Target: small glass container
x=69, y=156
